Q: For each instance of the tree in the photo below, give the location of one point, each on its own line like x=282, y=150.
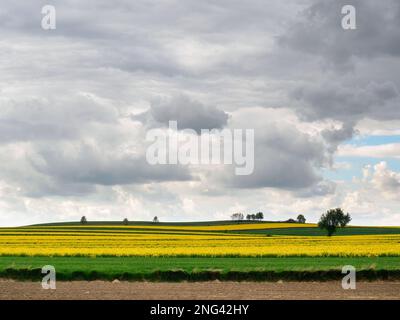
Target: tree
x=253, y=217
x=333, y=219
x=125, y=222
x=259, y=216
x=83, y=220
x=237, y=216
x=248, y=217
x=155, y=219
x=301, y=219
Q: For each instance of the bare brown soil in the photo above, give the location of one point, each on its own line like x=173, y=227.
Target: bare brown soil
x=102, y=290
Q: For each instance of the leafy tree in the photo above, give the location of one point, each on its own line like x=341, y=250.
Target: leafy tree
x=333, y=219
x=253, y=217
x=237, y=216
x=155, y=219
x=125, y=222
x=301, y=218
x=83, y=220
x=259, y=216
x=248, y=217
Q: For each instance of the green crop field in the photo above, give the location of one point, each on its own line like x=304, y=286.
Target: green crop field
x=306, y=231
x=174, y=268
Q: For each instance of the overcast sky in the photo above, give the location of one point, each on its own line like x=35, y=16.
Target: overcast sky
x=76, y=103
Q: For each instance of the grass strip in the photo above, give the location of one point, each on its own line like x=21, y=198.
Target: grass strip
x=199, y=269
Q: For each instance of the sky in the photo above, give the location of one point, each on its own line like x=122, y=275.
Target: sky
x=77, y=102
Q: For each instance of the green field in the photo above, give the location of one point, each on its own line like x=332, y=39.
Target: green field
x=306, y=231
x=176, y=269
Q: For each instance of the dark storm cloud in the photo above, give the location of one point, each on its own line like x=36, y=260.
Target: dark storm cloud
x=319, y=32
x=351, y=74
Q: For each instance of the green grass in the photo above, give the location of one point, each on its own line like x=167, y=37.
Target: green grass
x=312, y=231
x=176, y=269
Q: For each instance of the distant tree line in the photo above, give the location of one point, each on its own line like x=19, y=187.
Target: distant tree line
x=258, y=216
x=329, y=221
x=240, y=216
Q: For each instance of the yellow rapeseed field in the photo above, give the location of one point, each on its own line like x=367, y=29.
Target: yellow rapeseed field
x=186, y=241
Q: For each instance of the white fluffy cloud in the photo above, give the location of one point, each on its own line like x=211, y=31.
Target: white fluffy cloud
x=386, y=181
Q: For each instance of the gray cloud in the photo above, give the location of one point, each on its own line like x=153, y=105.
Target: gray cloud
x=188, y=113
x=334, y=137
x=52, y=118
x=350, y=75
x=347, y=104
x=68, y=96
x=285, y=158
x=322, y=188
x=80, y=162
x=319, y=32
